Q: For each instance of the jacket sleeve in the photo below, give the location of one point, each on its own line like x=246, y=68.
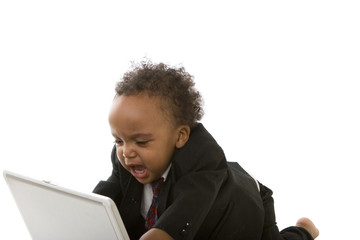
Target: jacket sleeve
x=198, y=176
x=126, y=192
x=208, y=198
x=194, y=196
x=112, y=187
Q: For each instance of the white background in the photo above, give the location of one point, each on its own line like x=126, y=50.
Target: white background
x=280, y=81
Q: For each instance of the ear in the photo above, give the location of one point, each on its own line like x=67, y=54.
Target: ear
x=183, y=132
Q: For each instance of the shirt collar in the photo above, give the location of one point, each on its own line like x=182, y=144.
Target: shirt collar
x=165, y=174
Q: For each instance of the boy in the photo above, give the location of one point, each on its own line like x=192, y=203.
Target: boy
x=170, y=178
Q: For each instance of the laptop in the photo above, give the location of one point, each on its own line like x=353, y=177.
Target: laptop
x=53, y=212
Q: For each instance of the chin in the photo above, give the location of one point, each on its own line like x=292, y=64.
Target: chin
x=144, y=180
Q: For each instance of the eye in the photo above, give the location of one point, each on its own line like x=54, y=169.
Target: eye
x=141, y=143
x=118, y=142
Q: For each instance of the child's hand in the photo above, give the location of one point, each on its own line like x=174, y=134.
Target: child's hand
x=156, y=234
x=309, y=226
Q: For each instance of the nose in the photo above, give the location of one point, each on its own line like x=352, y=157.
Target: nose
x=128, y=151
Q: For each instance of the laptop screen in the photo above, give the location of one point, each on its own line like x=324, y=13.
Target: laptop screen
x=53, y=212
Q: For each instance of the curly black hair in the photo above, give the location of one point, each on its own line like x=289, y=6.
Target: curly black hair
x=173, y=85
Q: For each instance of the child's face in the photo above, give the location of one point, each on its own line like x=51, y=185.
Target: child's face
x=145, y=138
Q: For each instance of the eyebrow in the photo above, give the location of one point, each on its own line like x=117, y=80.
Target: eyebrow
x=141, y=135
x=136, y=135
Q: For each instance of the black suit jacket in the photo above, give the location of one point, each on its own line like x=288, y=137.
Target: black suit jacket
x=204, y=196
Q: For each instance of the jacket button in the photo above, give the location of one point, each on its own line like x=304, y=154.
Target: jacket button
x=184, y=230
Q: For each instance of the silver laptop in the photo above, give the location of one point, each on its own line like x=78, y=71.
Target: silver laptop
x=54, y=212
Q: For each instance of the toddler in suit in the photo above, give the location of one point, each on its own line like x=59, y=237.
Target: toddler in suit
x=170, y=179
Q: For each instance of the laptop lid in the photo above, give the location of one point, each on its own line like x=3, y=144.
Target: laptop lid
x=54, y=212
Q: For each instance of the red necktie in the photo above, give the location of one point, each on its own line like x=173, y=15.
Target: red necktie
x=151, y=216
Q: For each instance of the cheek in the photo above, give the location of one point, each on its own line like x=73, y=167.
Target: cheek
x=164, y=154
x=119, y=154
x=152, y=159
x=170, y=147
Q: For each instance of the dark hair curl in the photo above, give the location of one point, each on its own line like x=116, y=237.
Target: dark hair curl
x=173, y=85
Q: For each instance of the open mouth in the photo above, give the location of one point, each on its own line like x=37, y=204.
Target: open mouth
x=138, y=171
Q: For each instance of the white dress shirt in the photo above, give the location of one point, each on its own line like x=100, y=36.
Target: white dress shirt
x=148, y=194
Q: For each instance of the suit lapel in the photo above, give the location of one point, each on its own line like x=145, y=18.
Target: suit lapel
x=130, y=206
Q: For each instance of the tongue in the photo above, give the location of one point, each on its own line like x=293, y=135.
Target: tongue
x=139, y=169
